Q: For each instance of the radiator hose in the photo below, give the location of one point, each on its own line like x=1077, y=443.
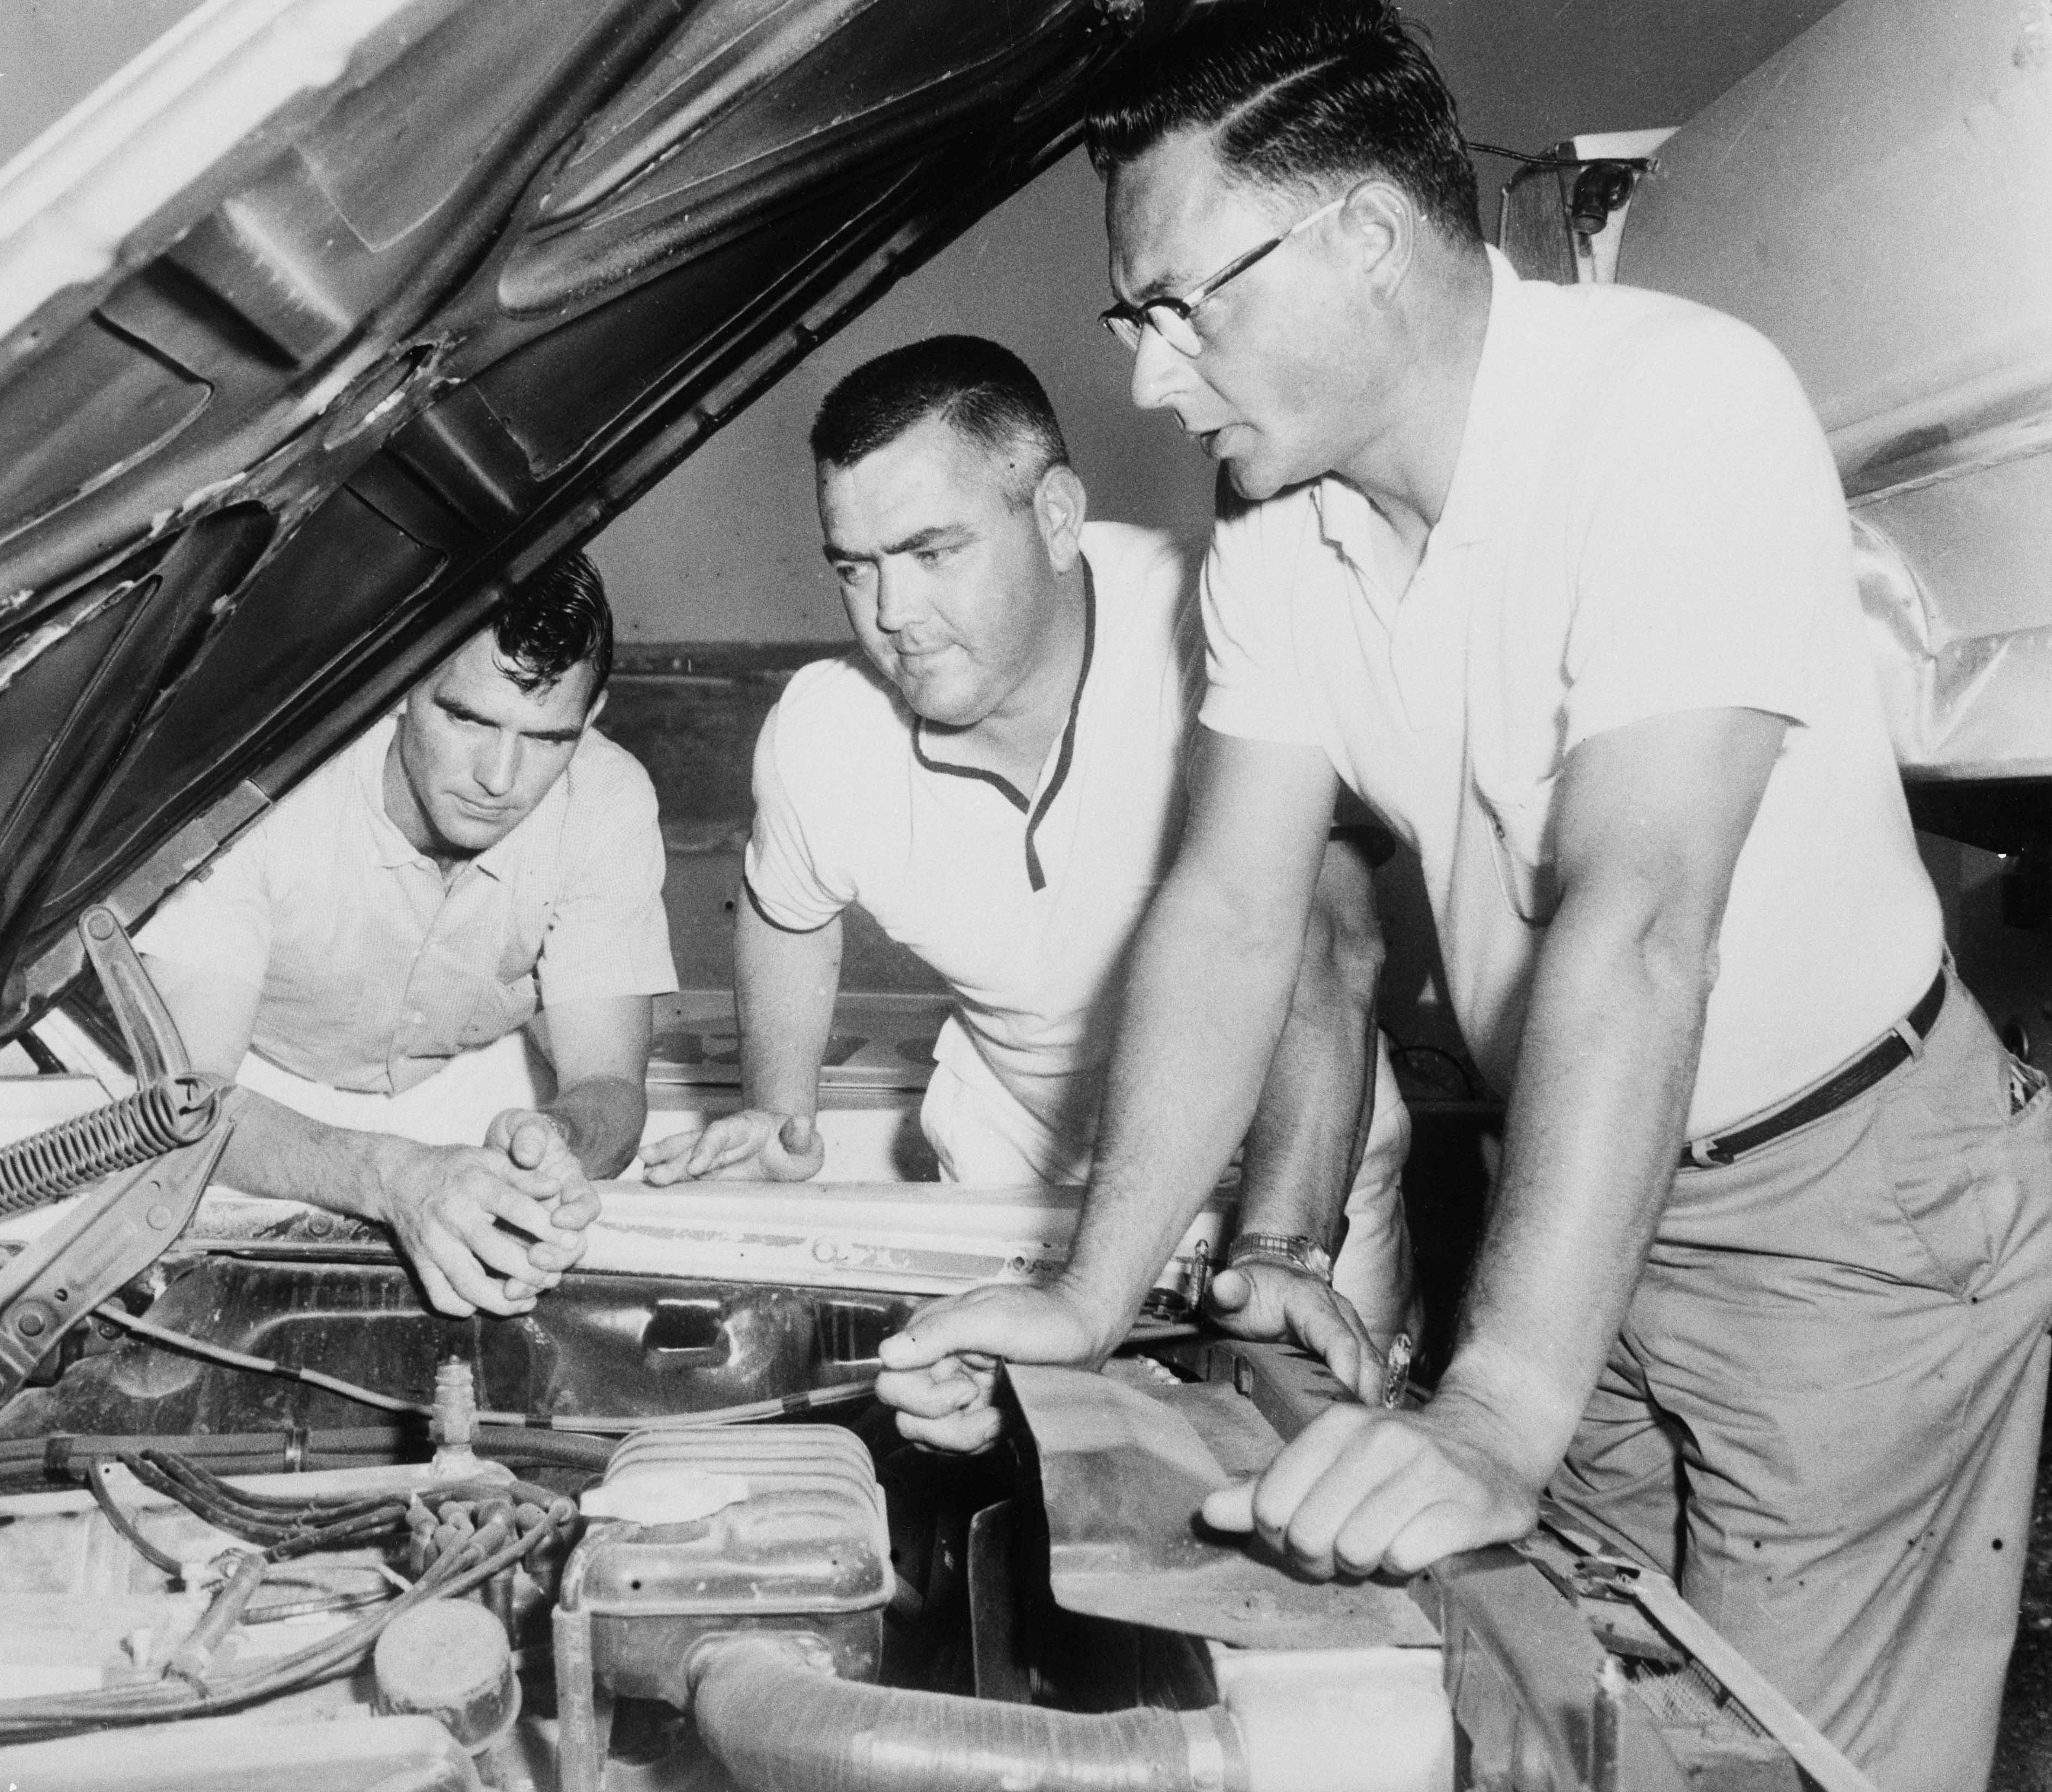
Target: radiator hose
x=779, y=1723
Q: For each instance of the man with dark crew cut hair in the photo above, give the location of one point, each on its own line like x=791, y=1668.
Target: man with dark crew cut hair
x=997, y=778
x=364, y=960
x=1559, y=581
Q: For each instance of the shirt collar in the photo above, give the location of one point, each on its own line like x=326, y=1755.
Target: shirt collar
x=1345, y=518
x=496, y=861
x=1065, y=748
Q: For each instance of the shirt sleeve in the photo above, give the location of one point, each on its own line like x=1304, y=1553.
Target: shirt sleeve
x=220, y=921
x=1711, y=539
x=793, y=878
x=610, y=934
x=1254, y=690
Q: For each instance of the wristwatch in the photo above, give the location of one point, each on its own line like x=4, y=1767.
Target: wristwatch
x=1294, y=1250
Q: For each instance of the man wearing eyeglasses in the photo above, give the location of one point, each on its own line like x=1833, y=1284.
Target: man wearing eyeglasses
x=1559, y=581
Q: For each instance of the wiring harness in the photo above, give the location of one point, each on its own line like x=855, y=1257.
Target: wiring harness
x=476, y=1531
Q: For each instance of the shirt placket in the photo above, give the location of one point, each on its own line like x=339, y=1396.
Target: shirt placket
x=429, y=1022
x=1427, y=644
x=1422, y=636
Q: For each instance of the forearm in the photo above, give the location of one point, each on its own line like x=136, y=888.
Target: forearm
x=1204, y=1006
x=1317, y=1103
x=602, y=1118
x=290, y=1156
x=1310, y=1123
x=785, y=986
x=1606, y=1067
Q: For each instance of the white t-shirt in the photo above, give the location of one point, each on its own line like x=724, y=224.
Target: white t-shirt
x=1644, y=519
x=374, y=972
x=851, y=807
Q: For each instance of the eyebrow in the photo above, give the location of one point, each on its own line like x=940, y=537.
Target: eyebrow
x=1161, y=287
x=557, y=736
x=940, y=534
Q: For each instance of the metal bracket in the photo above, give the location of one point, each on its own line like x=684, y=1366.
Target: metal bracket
x=107, y=1238
x=113, y=1233
x=154, y=1048
x=1602, y=1572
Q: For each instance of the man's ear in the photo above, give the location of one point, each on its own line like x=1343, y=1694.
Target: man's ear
x=1379, y=225
x=597, y=703
x=1060, y=505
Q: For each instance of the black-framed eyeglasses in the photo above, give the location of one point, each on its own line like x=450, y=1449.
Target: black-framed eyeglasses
x=1170, y=316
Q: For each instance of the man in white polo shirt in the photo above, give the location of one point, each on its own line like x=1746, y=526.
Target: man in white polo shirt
x=1559, y=580
x=363, y=962
x=998, y=781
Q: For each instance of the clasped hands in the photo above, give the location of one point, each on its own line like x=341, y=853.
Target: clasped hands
x=1360, y=1489
x=489, y=1227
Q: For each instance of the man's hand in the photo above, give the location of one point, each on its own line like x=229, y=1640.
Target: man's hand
x=539, y=1142
x=754, y=1145
x=1361, y=1490
x=445, y=1204
x=1265, y=1301
x=939, y=1372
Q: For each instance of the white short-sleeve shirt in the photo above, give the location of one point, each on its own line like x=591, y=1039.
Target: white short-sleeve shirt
x=1023, y=901
x=1644, y=519
x=374, y=971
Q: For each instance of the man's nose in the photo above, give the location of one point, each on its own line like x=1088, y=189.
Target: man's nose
x=895, y=603
x=498, y=767
x=1158, y=372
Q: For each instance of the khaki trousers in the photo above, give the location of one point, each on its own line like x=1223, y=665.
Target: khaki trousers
x=1821, y=1415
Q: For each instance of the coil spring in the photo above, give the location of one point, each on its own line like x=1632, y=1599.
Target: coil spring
x=118, y=1137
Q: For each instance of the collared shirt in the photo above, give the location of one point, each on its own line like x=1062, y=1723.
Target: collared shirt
x=1022, y=901
x=1644, y=519
x=375, y=970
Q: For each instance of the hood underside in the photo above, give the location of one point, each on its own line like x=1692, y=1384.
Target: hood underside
x=326, y=319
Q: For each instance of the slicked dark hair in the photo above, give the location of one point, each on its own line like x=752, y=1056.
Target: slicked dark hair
x=982, y=391
x=555, y=621
x=1301, y=95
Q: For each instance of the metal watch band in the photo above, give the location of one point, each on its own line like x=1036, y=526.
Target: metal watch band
x=1294, y=1249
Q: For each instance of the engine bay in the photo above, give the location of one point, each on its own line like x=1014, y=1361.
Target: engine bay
x=659, y=1535
x=206, y=1619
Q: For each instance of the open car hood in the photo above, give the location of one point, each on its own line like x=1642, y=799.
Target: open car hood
x=324, y=319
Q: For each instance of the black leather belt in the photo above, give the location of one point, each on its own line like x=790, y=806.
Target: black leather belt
x=1902, y=1042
